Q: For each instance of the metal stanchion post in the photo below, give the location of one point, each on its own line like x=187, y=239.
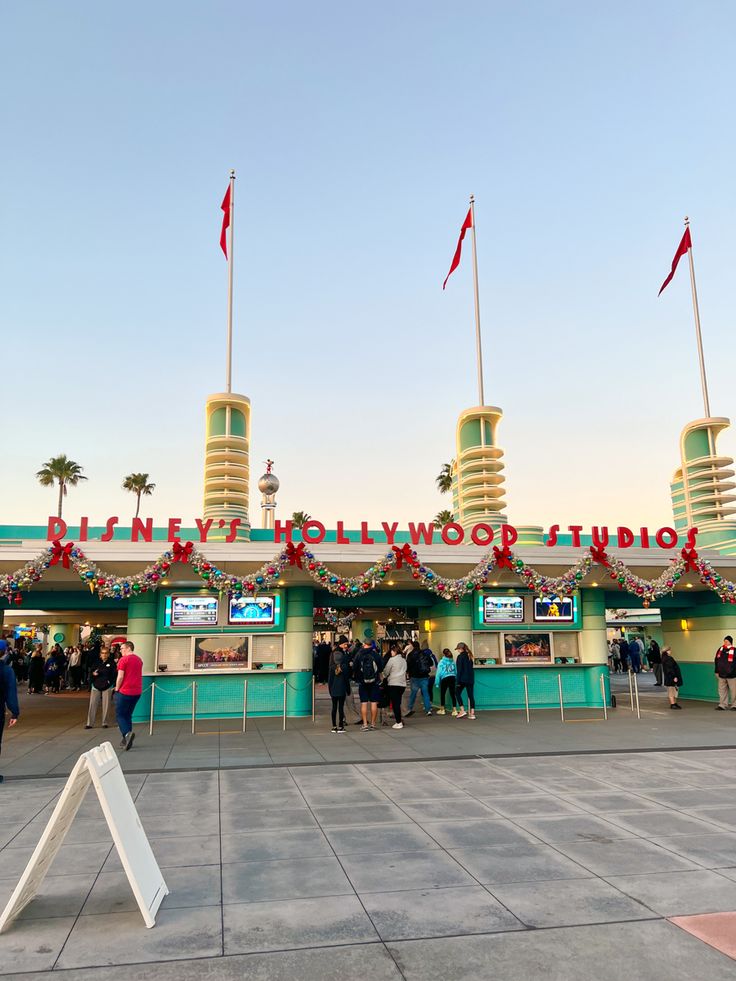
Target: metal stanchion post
x=284, y=728
x=153, y=699
x=631, y=689
x=194, y=705
x=562, y=706
x=314, y=698
x=603, y=696
x=636, y=693
x=245, y=703
x=526, y=697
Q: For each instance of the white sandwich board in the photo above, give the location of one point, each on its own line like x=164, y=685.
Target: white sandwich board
x=101, y=767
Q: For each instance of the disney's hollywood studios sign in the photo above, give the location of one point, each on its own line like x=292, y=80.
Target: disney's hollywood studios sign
x=314, y=532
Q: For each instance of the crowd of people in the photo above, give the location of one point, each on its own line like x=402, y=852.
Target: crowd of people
x=383, y=680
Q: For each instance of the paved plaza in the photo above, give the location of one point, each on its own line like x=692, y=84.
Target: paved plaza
x=555, y=863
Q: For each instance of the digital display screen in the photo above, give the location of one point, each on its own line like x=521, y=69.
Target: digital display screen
x=256, y=610
x=503, y=609
x=194, y=611
x=554, y=609
x=224, y=653
x=527, y=649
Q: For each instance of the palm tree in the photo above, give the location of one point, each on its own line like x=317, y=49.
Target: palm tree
x=443, y=518
x=137, y=483
x=300, y=518
x=444, y=478
x=61, y=468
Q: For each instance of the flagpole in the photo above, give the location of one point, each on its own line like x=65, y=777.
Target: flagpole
x=698, y=335
x=229, y=374
x=478, y=348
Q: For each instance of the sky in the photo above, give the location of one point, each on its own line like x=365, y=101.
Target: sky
x=586, y=133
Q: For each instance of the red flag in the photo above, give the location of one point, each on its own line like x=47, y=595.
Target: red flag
x=468, y=223
x=685, y=244
x=225, y=220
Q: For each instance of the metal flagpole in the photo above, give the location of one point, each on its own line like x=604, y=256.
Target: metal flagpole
x=229, y=375
x=696, y=311
x=478, y=349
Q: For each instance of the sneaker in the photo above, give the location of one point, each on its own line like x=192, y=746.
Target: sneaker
x=675, y=706
x=105, y=725
x=129, y=740
x=461, y=714
x=441, y=712
x=429, y=713
x=410, y=713
x=341, y=729
x=472, y=716
x=364, y=728
x=398, y=725
x=122, y=742
x=333, y=729
x=720, y=708
x=372, y=726
x=454, y=712
x=88, y=727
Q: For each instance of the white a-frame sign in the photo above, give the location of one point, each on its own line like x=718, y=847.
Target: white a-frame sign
x=99, y=766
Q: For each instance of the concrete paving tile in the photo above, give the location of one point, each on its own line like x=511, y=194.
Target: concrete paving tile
x=606, y=858
x=650, y=950
x=711, y=851
x=303, y=878
x=189, y=886
x=526, y=862
x=680, y=893
x=71, y=860
x=179, y=934
x=573, y=827
x=332, y=817
x=246, y=800
x=568, y=902
x=403, y=871
x=543, y=804
x=688, y=799
x=446, y=810
x=337, y=796
x=613, y=802
x=481, y=833
x=172, y=852
x=233, y=821
x=437, y=913
x=729, y=873
x=33, y=945
x=662, y=823
x=380, y=840
x=725, y=816
x=60, y=895
x=264, y=846
x=325, y=922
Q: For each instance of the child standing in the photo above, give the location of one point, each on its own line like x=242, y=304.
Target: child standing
x=446, y=673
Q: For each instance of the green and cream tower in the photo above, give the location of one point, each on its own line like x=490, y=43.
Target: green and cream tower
x=227, y=464
x=477, y=471
x=702, y=487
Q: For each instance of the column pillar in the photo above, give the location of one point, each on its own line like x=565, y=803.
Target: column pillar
x=593, y=638
x=299, y=628
x=451, y=623
x=142, y=628
x=68, y=631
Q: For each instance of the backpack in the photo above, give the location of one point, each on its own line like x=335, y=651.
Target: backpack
x=427, y=662
x=368, y=672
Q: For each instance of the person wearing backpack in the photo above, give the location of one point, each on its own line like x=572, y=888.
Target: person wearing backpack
x=419, y=665
x=338, y=684
x=465, y=681
x=8, y=693
x=367, y=672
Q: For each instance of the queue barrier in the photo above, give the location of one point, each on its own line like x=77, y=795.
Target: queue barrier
x=232, y=699
x=544, y=689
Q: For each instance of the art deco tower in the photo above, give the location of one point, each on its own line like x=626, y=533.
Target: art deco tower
x=477, y=472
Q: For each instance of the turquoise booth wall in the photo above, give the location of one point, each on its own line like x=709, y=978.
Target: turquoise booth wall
x=503, y=688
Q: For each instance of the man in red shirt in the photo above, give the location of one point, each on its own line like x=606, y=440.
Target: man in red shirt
x=128, y=689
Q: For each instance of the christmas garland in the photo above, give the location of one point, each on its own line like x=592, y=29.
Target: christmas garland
x=105, y=584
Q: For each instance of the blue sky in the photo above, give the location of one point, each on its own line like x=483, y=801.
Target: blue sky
x=358, y=132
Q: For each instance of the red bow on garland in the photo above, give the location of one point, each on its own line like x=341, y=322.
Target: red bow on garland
x=182, y=553
x=599, y=555
x=295, y=554
x=403, y=554
x=61, y=553
x=502, y=557
x=690, y=557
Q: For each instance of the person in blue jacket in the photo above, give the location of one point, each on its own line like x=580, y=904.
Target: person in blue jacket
x=465, y=680
x=8, y=693
x=446, y=676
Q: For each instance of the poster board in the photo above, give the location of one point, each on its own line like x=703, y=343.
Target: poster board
x=101, y=767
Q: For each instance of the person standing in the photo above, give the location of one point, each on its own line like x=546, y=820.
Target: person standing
x=623, y=652
x=446, y=673
x=367, y=668
x=36, y=673
x=338, y=684
x=8, y=694
x=128, y=689
x=654, y=656
x=427, y=652
x=636, y=649
x=672, y=677
x=419, y=665
x=103, y=678
x=394, y=675
x=465, y=671
x=725, y=665
x=52, y=670
x=75, y=669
